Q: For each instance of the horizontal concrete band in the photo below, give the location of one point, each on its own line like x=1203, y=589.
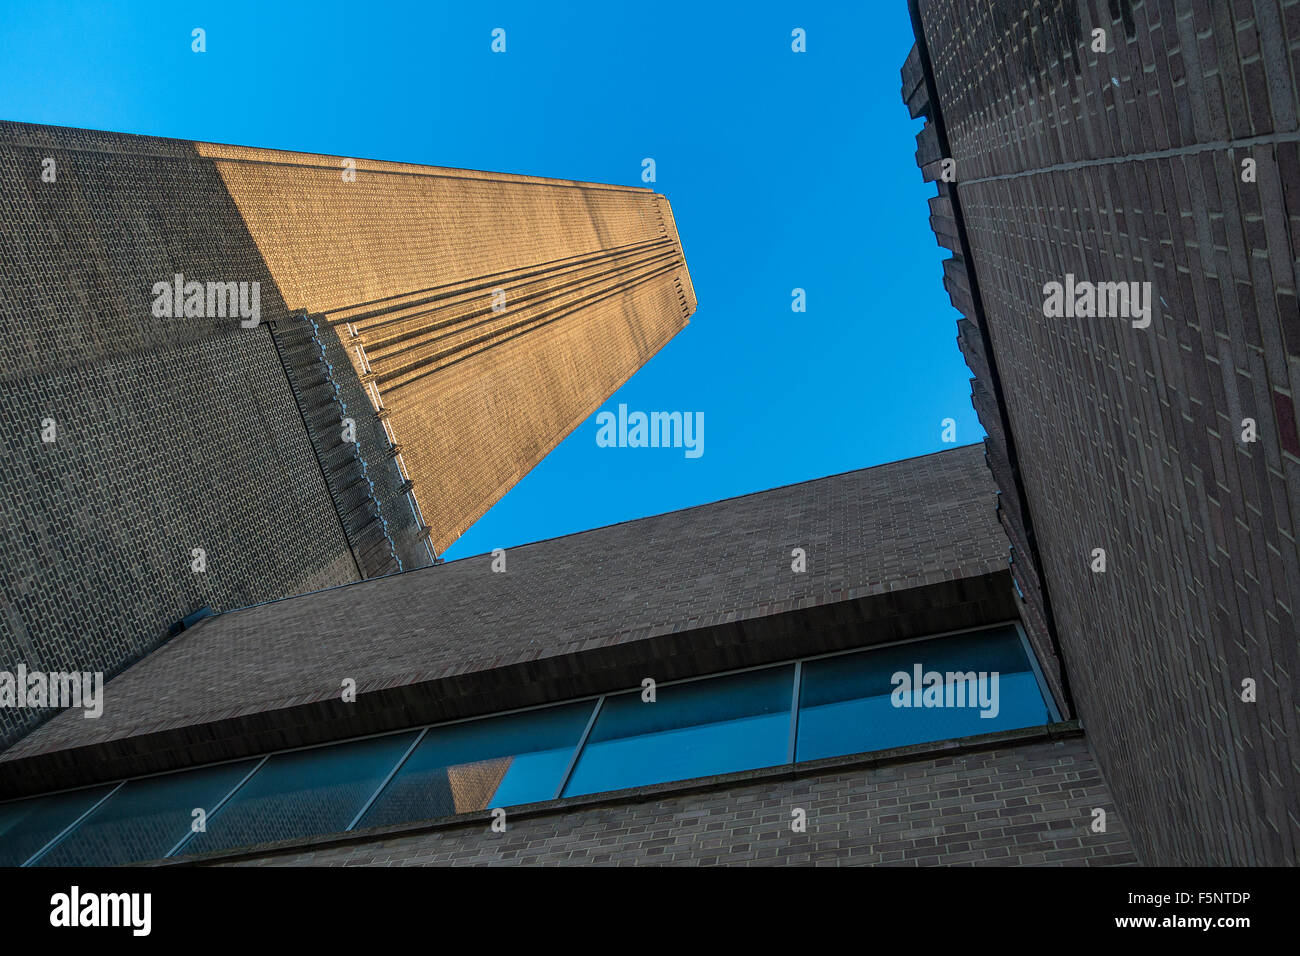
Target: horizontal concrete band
x=479, y=818
x=837, y=625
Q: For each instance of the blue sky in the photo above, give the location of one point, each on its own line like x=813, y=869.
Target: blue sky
x=784, y=170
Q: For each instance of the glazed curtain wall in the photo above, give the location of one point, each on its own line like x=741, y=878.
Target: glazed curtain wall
x=937, y=688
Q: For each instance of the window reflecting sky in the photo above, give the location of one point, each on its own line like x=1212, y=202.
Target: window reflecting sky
x=497, y=762
x=694, y=729
x=846, y=707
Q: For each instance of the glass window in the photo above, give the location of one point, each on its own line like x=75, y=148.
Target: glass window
x=145, y=819
x=27, y=825
x=855, y=703
x=928, y=690
x=303, y=793
x=495, y=762
x=694, y=729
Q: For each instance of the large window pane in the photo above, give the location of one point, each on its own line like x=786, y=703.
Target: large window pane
x=495, y=762
x=694, y=729
x=303, y=793
x=144, y=819
x=848, y=705
x=27, y=825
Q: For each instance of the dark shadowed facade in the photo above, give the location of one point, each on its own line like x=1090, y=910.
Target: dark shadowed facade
x=1161, y=151
x=770, y=625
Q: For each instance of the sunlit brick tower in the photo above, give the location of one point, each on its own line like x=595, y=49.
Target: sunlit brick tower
x=422, y=338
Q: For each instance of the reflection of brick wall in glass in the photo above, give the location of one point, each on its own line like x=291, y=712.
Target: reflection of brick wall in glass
x=473, y=784
x=303, y=793
x=146, y=818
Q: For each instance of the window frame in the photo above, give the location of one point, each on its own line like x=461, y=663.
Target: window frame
x=597, y=701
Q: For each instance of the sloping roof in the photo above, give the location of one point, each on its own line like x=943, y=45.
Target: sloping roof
x=560, y=603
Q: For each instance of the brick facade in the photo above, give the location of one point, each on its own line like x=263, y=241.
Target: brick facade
x=170, y=434
x=896, y=551
x=487, y=314
x=183, y=433
x=1127, y=165
x=1021, y=804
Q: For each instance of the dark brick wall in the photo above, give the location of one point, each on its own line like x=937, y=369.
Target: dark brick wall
x=1126, y=166
x=1021, y=804
x=362, y=475
x=900, y=550
x=172, y=434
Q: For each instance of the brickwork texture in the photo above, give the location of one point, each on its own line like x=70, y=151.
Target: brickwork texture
x=895, y=551
x=487, y=314
x=1023, y=805
x=462, y=322
x=170, y=434
x=1128, y=163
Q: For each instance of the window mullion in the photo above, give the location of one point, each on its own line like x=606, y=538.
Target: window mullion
x=577, y=751
x=383, y=783
x=72, y=826
x=794, y=710
x=220, y=803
